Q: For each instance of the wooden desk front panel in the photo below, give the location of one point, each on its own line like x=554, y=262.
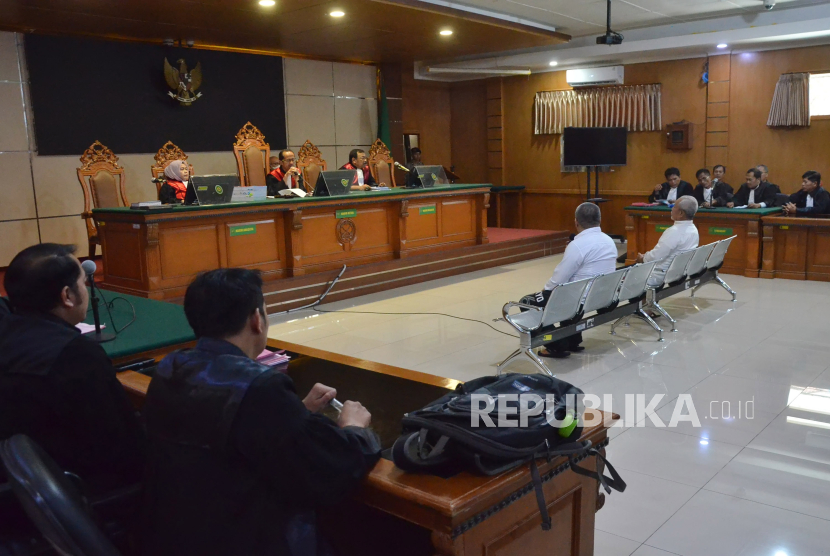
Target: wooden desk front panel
x=372, y=239
x=441, y=221
x=796, y=248
x=743, y=256
x=159, y=257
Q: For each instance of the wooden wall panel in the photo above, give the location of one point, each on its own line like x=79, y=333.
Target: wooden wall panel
x=533, y=160
x=468, y=103
x=555, y=211
x=427, y=111
x=787, y=152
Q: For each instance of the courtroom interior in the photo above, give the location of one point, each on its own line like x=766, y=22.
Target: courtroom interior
x=414, y=277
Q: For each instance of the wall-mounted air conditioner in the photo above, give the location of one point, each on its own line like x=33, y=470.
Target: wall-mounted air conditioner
x=592, y=77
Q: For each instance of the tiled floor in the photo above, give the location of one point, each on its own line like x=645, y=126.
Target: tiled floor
x=756, y=486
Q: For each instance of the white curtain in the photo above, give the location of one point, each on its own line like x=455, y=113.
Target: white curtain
x=791, y=102
x=635, y=107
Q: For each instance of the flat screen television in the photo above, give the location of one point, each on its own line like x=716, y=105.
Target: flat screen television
x=594, y=146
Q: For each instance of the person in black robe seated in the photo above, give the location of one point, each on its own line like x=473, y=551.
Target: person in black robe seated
x=765, y=178
x=811, y=200
x=753, y=194
x=710, y=194
x=173, y=190
x=359, y=162
x=717, y=176
x=238, y=462
x=284, y=173
x=671, y=189
x=58, y=386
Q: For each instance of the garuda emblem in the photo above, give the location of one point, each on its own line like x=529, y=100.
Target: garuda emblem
x=183, y=82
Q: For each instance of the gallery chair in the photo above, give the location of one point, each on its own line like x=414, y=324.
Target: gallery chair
x=52, y=501
x=381, y=163
x=167, y=154
x=102, y=181
x=252, y=154
x=713, y=264
x=310, y=162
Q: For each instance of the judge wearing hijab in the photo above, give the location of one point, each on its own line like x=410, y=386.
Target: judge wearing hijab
x=174, y=189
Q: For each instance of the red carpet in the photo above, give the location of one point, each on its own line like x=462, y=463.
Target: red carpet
x=497, y=235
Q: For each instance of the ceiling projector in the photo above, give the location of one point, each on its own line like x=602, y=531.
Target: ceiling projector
x=609, y=38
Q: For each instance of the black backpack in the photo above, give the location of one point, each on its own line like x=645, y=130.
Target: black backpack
x=440, y=438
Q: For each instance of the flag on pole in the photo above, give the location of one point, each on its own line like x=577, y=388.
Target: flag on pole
x=384, y=133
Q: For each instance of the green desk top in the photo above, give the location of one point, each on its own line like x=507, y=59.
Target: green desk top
x=497, y=188
x=760, y=212
x=157, y=324
x=343, y=199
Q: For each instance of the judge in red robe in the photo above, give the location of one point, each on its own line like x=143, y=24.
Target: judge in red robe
x=174, y=189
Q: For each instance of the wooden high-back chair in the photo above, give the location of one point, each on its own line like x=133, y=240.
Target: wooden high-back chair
x=381, y=163
x=102, y=181
x=167, y=154
x=252, y=153
x=310, y=162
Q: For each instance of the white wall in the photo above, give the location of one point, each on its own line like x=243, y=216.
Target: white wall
x=331, y=104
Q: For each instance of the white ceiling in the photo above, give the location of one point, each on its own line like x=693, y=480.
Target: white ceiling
x=673, y=29
x=582, y=17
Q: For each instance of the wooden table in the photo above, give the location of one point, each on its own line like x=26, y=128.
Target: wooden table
x=644, y=225
x=157, y=253
x=412, y=514
x=506, y=199
x=796, y=248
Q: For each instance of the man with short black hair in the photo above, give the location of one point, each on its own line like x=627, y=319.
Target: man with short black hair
x=671, y=189
x=753, y=194
x=811, y=199
x=285, y=175
x=710, y=194
x=363, y=178
x=58, y=386
x=238, y=461
x=589, y=254
x=765, y=178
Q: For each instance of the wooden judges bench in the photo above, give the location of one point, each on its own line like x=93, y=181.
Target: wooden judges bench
x=156, y=253
x=797, y=248
x=644, y=225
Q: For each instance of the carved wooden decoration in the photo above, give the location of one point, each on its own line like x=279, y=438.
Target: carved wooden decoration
x=379, y=152
x=98, y=158
x=98, y=153
x=249, y=135
x=308, y=156
x=168, y=153
x=310, y=151
x=346, y=232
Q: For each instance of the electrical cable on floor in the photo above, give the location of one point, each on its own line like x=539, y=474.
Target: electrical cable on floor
x=439, y=314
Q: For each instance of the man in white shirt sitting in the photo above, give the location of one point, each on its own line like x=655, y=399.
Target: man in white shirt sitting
x=682, y=236
x=589, y=254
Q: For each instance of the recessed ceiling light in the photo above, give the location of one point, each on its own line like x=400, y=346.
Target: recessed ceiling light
x=337, y=13
x=446, y=32
x=267, y=3
x=554, y=63
x=722, y=45
x=704, y=442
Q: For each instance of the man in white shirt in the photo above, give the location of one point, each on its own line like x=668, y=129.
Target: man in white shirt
x=681, y=236
x=589, y=254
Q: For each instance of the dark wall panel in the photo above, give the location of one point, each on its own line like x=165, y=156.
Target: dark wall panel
x=115, y=92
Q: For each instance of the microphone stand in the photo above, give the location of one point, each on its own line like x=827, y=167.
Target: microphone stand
x=98, y=335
